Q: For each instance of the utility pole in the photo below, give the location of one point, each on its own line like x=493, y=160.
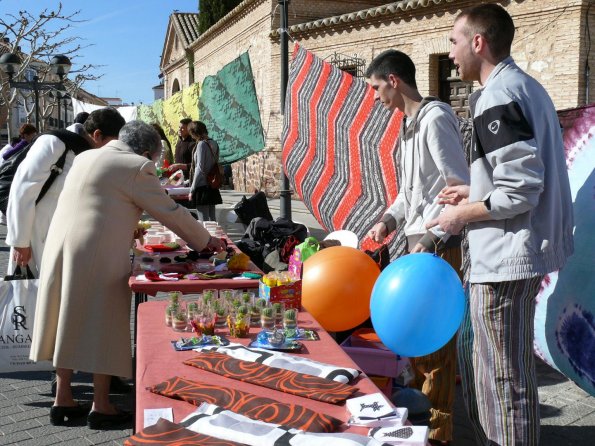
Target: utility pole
x=285, y=193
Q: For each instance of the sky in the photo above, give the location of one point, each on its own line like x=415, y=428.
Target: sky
x=126, y=37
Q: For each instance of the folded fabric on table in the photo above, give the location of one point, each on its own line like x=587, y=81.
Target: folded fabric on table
x=287, y=362
x=156, y=277
x=162, y=247
x=212, y=420
x=253, y=406
x=166, y=433
x=299, y=384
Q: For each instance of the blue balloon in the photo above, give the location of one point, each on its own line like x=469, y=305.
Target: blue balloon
x=417, y=304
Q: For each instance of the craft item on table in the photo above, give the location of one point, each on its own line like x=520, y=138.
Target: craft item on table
x=162, y=247
x=251, y=275
x=374, y=411
x=239, y=261
x=301, y=334
x=184, y=344
x=151, y=416
x=176, y=178
x=275, y=340
x=253, y=406
x=165, y=432
x=210, y=275
x=404, y=435
x=225, y=424
x=287, y=381
x=156, y=277
x=287, y=362
x=181, y=268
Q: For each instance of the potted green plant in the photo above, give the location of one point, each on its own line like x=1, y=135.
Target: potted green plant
x=267, y=318
x=290, y=319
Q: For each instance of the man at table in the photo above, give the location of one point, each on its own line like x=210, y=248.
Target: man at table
x=83, y=311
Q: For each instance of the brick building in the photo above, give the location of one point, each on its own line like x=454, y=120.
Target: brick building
x=552, y=43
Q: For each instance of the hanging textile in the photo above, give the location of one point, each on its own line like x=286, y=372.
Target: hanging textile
x=565, y=309
x=229, y=107
x=338, y=146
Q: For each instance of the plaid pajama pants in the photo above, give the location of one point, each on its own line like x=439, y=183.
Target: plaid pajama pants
x=495, y=351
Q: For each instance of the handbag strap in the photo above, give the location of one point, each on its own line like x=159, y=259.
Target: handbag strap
x=19, y=274
x=213, y=155
x=56, y=170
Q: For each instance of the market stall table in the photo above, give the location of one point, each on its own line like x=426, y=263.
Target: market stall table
x=157, y=361
x=144, y=288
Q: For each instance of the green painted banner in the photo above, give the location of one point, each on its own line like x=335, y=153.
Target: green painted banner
x=229, y=107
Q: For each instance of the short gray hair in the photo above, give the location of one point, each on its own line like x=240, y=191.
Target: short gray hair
x=140, y=137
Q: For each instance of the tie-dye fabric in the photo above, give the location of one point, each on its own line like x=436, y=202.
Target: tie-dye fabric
x=307, y=386
x=288, y=362
x=565, y=311
x=253, y=406
x=217, y=422
x=166, y=433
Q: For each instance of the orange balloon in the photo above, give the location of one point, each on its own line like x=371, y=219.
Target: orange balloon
x=336, y=287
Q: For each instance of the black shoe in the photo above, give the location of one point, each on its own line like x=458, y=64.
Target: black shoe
x=58, y=413
x=118, y=386
x=97, y=420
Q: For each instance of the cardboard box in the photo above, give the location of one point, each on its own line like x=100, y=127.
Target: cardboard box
x=290, y=295
x=375, y=361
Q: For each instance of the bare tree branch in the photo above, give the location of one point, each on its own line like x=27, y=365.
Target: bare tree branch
x=35, y=38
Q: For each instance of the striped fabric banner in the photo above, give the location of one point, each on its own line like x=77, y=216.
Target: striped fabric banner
x=339, y=146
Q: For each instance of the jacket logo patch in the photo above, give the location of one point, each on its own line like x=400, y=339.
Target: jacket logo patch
x=494, y=126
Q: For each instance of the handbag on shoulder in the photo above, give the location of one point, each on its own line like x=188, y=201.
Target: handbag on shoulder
x=214, y=177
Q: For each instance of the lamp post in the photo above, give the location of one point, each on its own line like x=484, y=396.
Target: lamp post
x=285, y=193
x=59, y=65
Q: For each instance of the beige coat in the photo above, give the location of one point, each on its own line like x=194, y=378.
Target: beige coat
x=82, y=319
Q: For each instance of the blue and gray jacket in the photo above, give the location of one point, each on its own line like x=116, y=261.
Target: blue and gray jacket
x=518, y=169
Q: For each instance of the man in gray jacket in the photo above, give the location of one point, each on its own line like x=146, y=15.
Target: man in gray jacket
x=431, y=157
x=519, y=211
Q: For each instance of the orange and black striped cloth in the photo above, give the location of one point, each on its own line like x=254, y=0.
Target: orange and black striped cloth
x=253, y=406
x=308, y=386
x=166, y=433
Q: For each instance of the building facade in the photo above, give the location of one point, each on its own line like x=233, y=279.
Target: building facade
x=552, y=43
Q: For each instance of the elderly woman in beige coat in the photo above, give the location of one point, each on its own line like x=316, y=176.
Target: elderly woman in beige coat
x=83, y=312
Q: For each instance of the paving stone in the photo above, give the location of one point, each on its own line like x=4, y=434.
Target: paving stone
x=31, y=413
x=41, y=441
x=103, y=437
x=22, y=426
x=15, y=438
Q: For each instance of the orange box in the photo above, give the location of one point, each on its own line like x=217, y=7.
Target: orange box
x=290, y=295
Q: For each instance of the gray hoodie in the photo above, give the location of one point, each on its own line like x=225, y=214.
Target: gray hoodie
x=431, y=158
x=518, y=169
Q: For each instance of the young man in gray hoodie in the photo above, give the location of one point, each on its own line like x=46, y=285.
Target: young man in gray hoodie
x=519, y=211
x=431, y=157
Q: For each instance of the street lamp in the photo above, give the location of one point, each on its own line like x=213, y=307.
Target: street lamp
x=59, y=65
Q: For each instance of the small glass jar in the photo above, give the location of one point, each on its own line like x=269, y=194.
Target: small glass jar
x=267, y=318
x=290, y=319
x=278, y=310
x=238, y=324
x=179, y=318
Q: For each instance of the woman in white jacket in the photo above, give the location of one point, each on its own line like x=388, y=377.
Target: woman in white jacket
x=28, y=222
